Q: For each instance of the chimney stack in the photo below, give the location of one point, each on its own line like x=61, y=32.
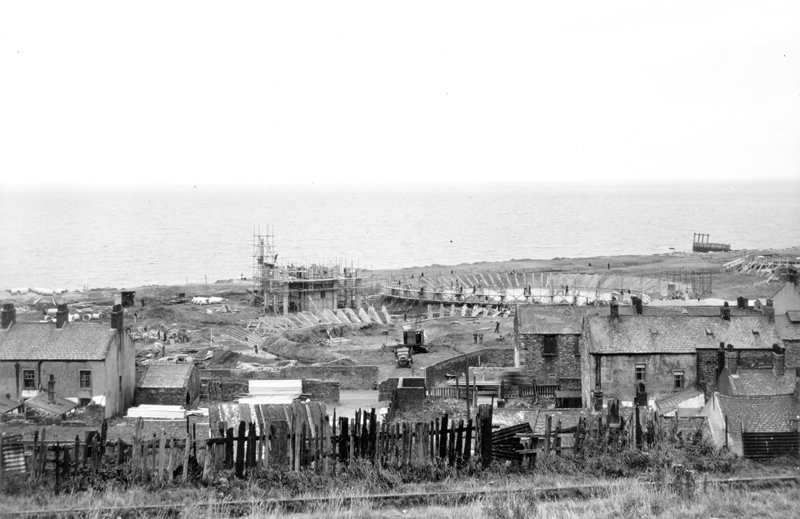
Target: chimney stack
x=732, y=360
x=62, y=315
x=614, y=309
x=51, y=389
x=720, y=359
x=637, y=304
x=8, y=315
x=726, y=312
x=769, y=311
x=117, y=318
x=778, y=360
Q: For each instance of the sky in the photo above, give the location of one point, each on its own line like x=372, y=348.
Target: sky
x=371, y=92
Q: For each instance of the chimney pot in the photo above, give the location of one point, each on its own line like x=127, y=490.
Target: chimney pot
x=725, y=312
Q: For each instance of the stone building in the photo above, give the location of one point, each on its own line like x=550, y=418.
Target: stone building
x=547, y=344
x=667, y=354
x=169, y=384
x=87, y=362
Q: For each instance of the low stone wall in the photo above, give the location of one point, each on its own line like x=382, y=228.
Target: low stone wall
x=322, y=391
x=160, y=396
x=348, y=377
x=387, y=388
x=435, y=374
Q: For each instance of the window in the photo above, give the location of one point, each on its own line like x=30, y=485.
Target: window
x=641, y=373
x=85, y=380
x=678, y=377
x=28, y=379
x=550, y=347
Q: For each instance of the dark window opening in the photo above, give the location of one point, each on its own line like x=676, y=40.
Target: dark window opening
x=678, y=377
x=28, y=379
x=550, y=345
x=85, y=380
x=84, y=401
x=641, y=373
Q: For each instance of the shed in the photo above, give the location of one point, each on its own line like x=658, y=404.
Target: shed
x=48, y=405
x=169, y=384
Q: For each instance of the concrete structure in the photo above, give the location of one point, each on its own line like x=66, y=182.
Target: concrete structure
x=169, y=384
x=547, y=344
x=87, y=361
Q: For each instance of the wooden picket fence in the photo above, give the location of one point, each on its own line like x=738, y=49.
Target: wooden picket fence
x=323, y=446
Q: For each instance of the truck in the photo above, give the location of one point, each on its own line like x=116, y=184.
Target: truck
x=403, y=356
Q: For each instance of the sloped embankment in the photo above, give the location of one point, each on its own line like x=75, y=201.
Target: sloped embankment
x=302, y=352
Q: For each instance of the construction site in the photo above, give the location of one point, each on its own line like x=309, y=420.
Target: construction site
x=281, y=289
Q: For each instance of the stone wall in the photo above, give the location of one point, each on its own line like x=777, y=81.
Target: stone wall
x=748, y=359
x=91, y=415
x=349, y=377
x=548, y=369
x=386, y=389
x=792, y=354
x=435, y=373
x=160, y=396
x=322, y=391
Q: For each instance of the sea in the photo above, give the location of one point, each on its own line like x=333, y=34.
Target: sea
x=76, y=236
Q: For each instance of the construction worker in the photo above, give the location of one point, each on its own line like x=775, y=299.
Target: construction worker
x=497, y=327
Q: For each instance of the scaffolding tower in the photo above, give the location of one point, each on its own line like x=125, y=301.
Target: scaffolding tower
x=286, y=288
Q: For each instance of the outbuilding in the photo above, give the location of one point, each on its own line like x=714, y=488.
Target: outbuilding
x=169, y=384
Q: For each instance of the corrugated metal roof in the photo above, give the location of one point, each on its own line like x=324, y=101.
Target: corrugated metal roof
x=166, y=376
x=550, y=320
x=668, y=403
x=43, y=341
x=8, y=404
x=677, y=334
x=59, y=407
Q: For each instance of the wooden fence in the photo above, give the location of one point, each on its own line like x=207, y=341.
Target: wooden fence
x=249, y=447
x=459, y=393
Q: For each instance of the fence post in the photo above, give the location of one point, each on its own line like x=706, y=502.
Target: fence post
x=485, y=425
x=443, y=437
x=162, y=446
x=240, y=451
x=186, y=450
x=548, y=424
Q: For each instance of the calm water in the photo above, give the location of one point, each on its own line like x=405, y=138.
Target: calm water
x=75, y=236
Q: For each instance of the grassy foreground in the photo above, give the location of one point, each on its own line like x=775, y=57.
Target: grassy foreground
x=635, y=484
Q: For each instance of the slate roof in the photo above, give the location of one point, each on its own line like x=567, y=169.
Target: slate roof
x=550, y=320
x=60, y=407
x=668, y=403
x=166, y=376
x=759, y=413
x=43, y=341
x=788, y=326
x=677, y=334
x=754, y=382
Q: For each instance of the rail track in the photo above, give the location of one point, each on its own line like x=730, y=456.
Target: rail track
x=299, y=504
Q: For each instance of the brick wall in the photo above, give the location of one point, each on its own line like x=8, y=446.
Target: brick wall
x=322, y=391
x=349, y=377
x=547, y=369
x=435, y=373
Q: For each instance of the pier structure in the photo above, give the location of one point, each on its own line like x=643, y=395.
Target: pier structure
x=700, y=243
x=493, y=288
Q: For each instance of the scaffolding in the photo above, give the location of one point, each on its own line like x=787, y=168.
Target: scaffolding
x=281, y=288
